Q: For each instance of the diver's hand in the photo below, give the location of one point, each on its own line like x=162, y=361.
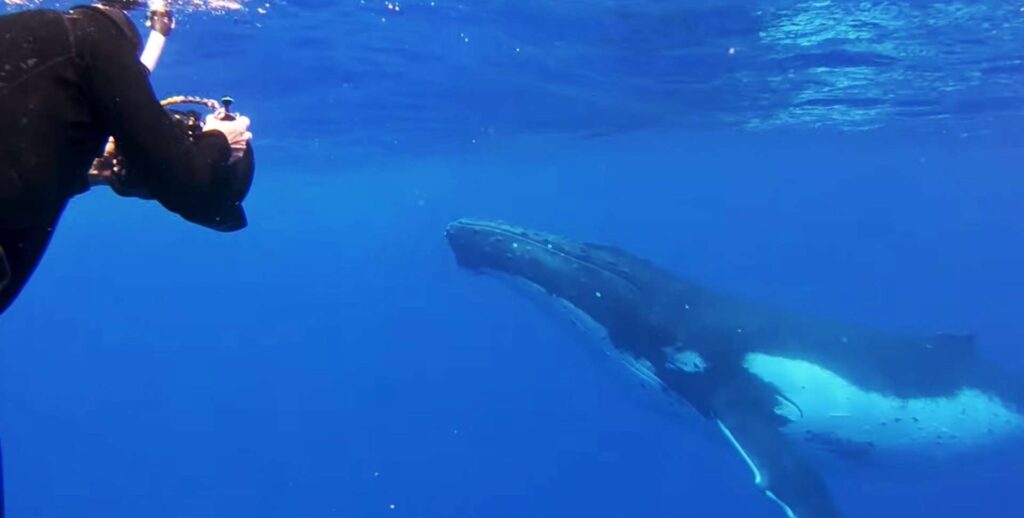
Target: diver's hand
x=234, y=127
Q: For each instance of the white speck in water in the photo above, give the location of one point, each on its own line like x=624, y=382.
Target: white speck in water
x=598, y=294
x=391, y=506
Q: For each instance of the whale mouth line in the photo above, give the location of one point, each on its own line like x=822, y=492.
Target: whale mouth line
x=498, y=229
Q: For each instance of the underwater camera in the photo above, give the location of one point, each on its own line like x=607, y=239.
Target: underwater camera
x=113, y=170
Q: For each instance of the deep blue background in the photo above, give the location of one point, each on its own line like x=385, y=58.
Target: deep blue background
x=331, y=360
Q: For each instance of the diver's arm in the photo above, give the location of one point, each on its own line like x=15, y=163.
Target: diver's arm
x=187, y=177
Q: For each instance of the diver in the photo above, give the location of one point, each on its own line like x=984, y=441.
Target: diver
x=68, y=81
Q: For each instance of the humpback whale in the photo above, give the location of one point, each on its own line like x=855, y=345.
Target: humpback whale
x=778, y=385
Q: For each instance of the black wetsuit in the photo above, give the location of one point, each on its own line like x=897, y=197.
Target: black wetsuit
x=68, y=81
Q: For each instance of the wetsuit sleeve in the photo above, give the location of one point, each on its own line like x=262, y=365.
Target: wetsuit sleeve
x=190, y=178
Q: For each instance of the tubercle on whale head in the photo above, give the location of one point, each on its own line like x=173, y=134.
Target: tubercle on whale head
x=493, y=245
x=510, y=249
x=495, y=242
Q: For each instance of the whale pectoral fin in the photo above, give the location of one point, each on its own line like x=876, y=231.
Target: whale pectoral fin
x=780, y=470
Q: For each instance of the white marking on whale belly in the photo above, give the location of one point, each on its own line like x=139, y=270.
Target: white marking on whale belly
x=686, y=360
x=832, y=405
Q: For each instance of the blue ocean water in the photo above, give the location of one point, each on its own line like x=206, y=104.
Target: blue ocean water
x=856, y=160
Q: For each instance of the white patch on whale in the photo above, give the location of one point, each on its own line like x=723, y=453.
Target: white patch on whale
x=685, y=360
x=787, y=409
x=832, y=405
